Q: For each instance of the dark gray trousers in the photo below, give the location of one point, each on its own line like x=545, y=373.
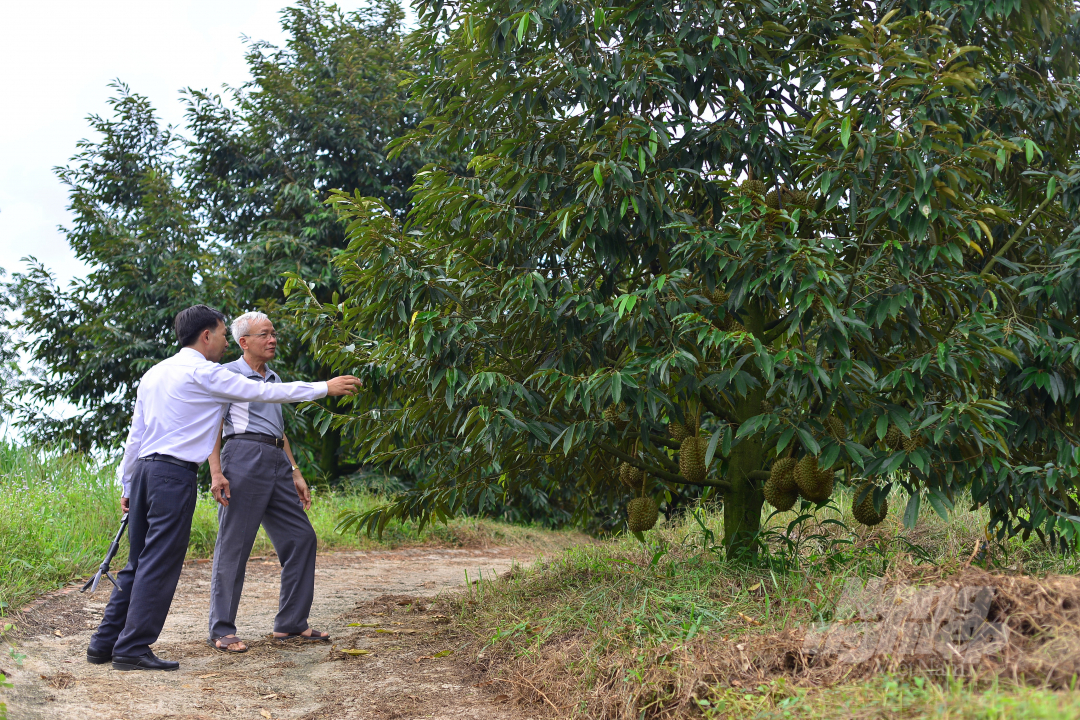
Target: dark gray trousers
x=262, y=492
x=160, y=507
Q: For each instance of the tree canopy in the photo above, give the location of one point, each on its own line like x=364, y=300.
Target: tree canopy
x=839, y=231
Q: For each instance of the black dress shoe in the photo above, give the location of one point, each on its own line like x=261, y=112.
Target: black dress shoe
x=98, y=657
x=149, y=661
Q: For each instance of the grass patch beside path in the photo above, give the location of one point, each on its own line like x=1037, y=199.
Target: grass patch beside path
x=621, y=630
x=58, y=513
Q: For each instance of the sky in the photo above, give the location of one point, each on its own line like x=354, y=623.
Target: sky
x=57, y=59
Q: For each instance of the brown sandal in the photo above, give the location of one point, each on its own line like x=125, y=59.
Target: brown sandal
x=315, y=636
x=213, y=642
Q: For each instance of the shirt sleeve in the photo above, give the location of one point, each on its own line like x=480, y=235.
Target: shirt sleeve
x=132, y=447
x=224, y=384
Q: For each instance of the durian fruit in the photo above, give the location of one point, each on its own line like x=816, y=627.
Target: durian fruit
x=613, y=414
x=692, y=458
x=772, y=200
x=641, y=514
x=814, y=484
x=752, y=187
x=894, y=439
x=910, y=444
x=677, y=430
x=630, y=476
x=779, y=497
x=864, y=511
x=782, y=475
x=798, y=198
x=836, y=427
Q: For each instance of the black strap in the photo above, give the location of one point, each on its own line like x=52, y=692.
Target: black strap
x=161, y=457
x=258, y=437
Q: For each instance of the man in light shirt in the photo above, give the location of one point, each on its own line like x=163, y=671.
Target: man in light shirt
x=178, y=410
x=256, y=481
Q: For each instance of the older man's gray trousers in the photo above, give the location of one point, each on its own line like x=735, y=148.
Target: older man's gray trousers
x=262, y=492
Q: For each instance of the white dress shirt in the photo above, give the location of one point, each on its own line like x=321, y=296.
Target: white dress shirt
x=179, y=404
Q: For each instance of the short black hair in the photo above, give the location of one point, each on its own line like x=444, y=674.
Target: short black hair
x=191, y=322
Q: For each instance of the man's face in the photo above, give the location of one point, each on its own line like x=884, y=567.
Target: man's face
x=260, y=342
x=218, y=342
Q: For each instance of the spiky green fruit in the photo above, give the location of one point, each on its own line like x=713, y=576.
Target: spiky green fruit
x=864, y=511
x=692, y=459
x=894, y=439
x=630, y=476
x=814, y=483
x=613, y=414
x=641, y=514
x=836, y=427
x=779, y=497
x=772, y=200
x=677, y=431
x=798, y=198
x=782, y=474
x=911, y=444
x=752, y=187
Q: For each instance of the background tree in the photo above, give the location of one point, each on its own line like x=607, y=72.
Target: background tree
x=135, y=229
x=216, y=213
x=317, y=114
x=841, y=234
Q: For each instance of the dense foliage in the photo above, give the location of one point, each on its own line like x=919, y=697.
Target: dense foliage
x=810, y=227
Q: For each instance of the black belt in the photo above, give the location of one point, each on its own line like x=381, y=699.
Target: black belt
x=258, y=437
x=159, y=457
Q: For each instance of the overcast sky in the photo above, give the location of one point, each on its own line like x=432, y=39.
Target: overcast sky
x=56, y=61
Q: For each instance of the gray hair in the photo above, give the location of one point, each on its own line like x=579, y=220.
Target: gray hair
x=242, y=324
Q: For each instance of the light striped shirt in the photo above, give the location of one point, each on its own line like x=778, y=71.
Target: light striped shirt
x=253, y=417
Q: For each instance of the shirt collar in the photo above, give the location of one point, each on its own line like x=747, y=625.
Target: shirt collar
x=251, y=373
x=192, y=353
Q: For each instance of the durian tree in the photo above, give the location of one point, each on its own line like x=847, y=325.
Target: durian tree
x=734, y=245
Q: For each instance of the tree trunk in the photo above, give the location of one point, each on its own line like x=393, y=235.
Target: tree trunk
x=328, y=455
x=743, y=502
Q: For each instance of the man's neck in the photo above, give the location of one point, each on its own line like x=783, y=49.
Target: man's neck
x=258, y=366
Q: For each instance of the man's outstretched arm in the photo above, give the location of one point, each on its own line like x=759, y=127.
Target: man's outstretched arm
x=227, y=385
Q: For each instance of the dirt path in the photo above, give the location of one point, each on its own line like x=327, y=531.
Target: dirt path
x=390, y=592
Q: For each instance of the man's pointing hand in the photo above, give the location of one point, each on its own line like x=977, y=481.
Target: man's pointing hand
x=342, y=385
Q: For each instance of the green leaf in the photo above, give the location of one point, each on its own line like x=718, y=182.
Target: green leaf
x=911, y=511
x=711, y=450
x=845, y=132
x=597, y=175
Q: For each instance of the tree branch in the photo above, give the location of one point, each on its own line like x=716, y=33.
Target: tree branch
x=717, y=409
x=658, y=472
x=1016, y=236
x=761, y=475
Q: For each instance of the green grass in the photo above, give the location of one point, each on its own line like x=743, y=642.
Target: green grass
x=59, y=511
x=889, y=696
x=620, y=629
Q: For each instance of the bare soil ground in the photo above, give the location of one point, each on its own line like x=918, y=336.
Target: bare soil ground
x=413, y=664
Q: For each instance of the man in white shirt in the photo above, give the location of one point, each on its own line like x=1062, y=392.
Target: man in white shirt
x=178, y=410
